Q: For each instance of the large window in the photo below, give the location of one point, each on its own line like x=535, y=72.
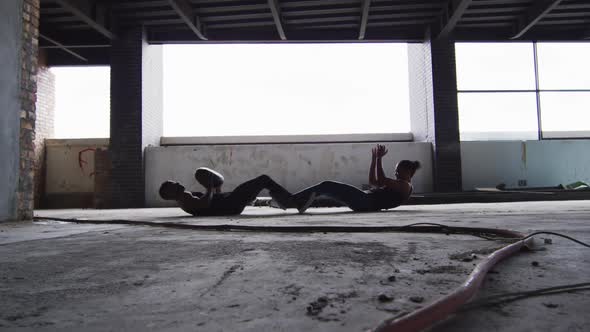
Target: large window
x=501, y=115
x=82, y=102
x=564, y=83
x=285, y=89
x=525, y=91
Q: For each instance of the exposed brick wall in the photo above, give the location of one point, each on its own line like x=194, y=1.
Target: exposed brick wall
x=136, y=112
x=420, y=76
x=44, y=125
x=28, y=77
x=434, y=108
x=152, y=95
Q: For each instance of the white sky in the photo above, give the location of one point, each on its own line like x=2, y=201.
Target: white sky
x=510, y=66
x=272, y=89
x=82, y=102
x=490, y=66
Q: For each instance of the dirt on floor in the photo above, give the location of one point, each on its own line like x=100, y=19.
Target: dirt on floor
x=67, y=276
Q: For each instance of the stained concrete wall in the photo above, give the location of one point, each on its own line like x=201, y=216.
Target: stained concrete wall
x=540, y=163
x=70, y=168
x=10, y=46
x=295, y=166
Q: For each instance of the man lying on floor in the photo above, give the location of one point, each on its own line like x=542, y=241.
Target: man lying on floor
x=216, y=203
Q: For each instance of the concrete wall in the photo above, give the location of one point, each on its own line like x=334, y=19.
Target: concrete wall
x=10, y=46
x=70, y=171
x=540, y=163
x=295, y=166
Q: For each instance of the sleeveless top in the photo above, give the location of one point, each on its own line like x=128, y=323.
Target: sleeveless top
x=386, y=198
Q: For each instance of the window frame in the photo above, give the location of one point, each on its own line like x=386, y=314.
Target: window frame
x=538, y=91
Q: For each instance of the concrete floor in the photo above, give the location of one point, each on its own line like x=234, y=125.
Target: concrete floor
x=66, y=276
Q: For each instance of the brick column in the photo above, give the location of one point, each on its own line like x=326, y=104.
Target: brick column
x=136, y=114
x=10, y=44
x=28, y=97
x=434, y=108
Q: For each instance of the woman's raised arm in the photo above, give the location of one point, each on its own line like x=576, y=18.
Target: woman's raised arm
x=381, y=178
x=372, y=178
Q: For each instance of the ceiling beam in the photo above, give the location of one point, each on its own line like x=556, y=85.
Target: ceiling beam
x=451, y=15
x=318, y=12
x=237, y=8
x=137, y=5
x=142, y=14
x=364, y=19
x=322, y=3
x=533, y=15
x=49, y=47
x=62, y=47
x=84, y=14
x=184, y=9
x=239, y=25
x=276, y=15
x=237, y=17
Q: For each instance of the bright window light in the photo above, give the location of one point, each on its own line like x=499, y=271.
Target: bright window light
x=498, y=116
x=285, y=89
x=495, y=66
x=487, y=111
x=82, y=102
x=564, y=65
x=563, y=112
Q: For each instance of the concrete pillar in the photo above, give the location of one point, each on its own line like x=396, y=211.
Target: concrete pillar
x=10, y=43
x=19, y=29
x=136, y=113
x=434, y=108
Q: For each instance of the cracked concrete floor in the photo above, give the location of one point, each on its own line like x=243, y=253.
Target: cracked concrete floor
x=67, y=276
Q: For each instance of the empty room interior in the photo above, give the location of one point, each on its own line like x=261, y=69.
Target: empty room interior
x=291, y=165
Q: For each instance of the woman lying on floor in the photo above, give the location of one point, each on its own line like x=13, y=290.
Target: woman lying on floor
x=386, y=193
x=216, y=203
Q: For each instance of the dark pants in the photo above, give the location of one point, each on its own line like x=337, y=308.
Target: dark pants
x=346, y=194
x=235, y=201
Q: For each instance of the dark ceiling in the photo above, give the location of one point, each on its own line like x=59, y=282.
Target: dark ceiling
x=79, y=32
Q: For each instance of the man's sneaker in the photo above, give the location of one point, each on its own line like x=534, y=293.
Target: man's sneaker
x=307, y=203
